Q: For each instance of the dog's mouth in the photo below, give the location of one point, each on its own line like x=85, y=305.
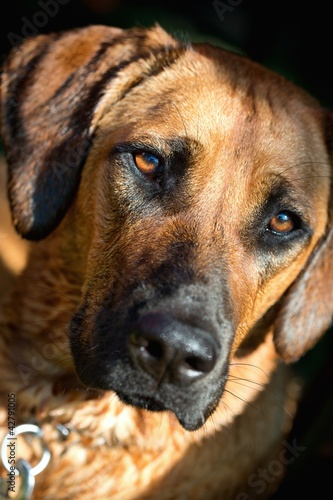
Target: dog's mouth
x=157, y=363
x=191, y=417
x=191, y=405
x=141, y=401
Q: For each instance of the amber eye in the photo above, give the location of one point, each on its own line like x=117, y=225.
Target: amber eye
x=148, y=163
x=282, y=223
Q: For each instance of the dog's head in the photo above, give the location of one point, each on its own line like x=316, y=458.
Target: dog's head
x=195, y=189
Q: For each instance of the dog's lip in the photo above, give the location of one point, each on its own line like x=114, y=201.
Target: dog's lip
x=138, y=400
x=190, y=421
x=189, y=415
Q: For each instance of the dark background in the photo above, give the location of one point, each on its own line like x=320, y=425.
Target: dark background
x=292, y=38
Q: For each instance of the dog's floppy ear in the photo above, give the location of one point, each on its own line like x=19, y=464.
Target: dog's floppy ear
x=307, y=307
x=50, y=86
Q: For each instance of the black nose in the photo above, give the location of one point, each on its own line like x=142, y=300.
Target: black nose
x=172, y=351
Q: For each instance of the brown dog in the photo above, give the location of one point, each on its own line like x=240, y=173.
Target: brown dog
x=178, y=199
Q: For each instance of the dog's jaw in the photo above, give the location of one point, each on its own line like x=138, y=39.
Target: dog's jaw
x=50, y=388
x=176, y=376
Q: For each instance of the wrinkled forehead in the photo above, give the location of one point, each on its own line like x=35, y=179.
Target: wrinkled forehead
x=233, y=110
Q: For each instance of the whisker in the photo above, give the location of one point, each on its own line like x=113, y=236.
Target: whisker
x=241, y=381
x=311, y=177
x=298, y=165
x=180, y=116
x=250, y=365
x=48, y=320
x=154, y=436
x=277, y=399
x=244, y=401
x=226, y=410
x=92, y=348
x=54, y=290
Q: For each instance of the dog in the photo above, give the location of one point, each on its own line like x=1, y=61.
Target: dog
x=177, y=201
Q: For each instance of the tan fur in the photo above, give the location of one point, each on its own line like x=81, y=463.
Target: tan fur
x=247, y=128
x=13, y=249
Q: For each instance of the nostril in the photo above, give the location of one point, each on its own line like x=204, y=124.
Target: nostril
x=200, y=364
x=154, y=349
x=148, y=353
x=147, y=346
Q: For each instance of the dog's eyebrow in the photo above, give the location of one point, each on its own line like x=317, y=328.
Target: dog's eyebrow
x=184, y=148
x=162, y=59
x=281, y=194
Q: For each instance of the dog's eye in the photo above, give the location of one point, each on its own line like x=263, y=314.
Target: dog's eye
x=283, y=223
x=148, y=163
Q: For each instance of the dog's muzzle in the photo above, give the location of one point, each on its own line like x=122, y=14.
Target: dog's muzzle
x=166, y=354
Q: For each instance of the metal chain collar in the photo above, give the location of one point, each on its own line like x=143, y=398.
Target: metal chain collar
x=20, y=467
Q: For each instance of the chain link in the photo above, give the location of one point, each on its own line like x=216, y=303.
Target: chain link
x=23, y=469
